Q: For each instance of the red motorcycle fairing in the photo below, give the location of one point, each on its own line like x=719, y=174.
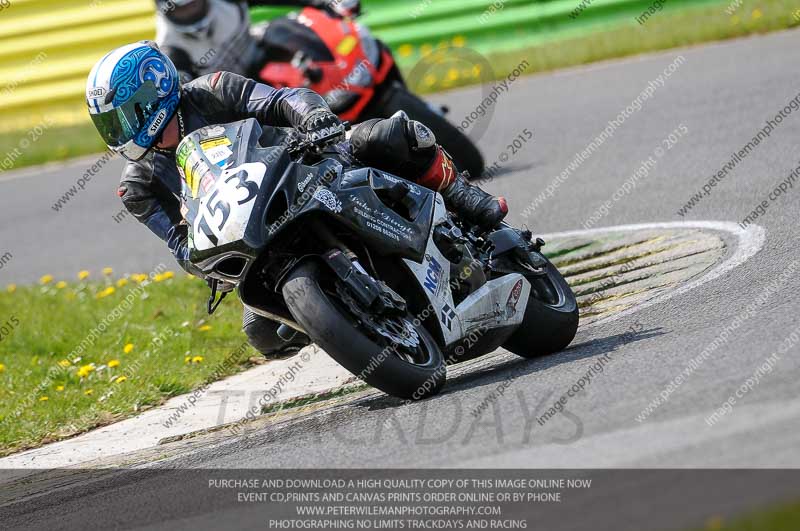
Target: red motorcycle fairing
x=342, y=39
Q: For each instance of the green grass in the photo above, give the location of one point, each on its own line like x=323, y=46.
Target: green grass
x=781, y=518
x=55, y=144
x=689, y=26
x=663, y=31
x=47, y=382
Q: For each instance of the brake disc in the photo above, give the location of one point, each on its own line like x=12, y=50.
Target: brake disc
x=396, y=329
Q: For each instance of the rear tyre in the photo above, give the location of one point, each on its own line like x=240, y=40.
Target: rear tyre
x=410, y=372
x=551, y=317
x=464, y=152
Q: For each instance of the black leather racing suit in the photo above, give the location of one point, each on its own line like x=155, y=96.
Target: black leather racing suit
x=150, y=188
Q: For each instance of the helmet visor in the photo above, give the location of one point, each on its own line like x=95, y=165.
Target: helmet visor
x=121, y=125
x=188, y=13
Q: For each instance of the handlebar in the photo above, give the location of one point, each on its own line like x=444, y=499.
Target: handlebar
x=316, y=144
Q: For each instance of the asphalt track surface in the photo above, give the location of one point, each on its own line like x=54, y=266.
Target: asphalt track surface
x=722, y=93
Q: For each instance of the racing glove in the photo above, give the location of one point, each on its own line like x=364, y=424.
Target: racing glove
x=323, y=123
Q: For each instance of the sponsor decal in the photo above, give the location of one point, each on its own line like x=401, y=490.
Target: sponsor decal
x=194, y=167
x=326, y=197
x=217, y=149
x=447, y=316
x=207, y=183
x=95, y=93
x=424, y=135
x=215, y=130
x=302, y=185
x=215, y=142
x=218, y=155
x=513, y=299
x=346, y=45
x=411, y=186
x=434, y=274
x=154, y=127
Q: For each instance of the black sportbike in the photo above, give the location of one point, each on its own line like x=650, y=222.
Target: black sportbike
x=372, y=267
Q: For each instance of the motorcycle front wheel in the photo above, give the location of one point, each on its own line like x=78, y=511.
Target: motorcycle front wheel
x=396, y=355
x=551, y=316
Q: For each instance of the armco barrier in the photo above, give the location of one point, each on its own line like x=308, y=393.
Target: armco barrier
x=47, y=47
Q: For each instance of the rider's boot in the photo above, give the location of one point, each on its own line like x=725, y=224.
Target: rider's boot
x=409, y=148
x=467, y=201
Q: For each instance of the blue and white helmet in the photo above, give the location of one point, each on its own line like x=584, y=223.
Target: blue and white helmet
x=132, y=93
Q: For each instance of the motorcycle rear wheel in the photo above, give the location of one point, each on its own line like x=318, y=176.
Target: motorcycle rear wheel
x=405, y=372
x=463, y=150
x=551, y=316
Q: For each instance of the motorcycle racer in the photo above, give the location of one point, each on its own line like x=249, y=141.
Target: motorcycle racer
x=142, y=110
x=206, y=36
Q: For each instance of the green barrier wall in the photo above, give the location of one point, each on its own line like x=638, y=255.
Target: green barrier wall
x=47, y=47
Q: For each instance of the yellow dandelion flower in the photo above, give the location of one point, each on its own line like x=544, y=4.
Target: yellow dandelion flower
x=187, y=359
x=107, y=271
x=122, y=282
x=85, y=371
x=169, y=274
x=46, y=279
x=205, y=328
x=43, y=399
x=120, y=379
x=11, y=288
x=88, y=392
x=64, y=363
x=127, y=349
x=459, y=41
x=61, y=284
x=105, y=293
x=159, y=277
x=2, y=368
x=113, y=363
x=83, y=275
x=757, y=14
x=59, y=388
x=197, y=359
x=139, y=278
x=405, y=50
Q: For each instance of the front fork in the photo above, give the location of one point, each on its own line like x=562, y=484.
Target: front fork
x=370, y=293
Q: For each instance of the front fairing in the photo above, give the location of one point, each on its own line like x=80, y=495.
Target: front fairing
x=238, y=197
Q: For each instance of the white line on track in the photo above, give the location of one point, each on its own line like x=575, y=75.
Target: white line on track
x=749, y=241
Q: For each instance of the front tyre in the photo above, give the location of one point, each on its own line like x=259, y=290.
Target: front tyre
x=551, y=317
x=411, y=367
